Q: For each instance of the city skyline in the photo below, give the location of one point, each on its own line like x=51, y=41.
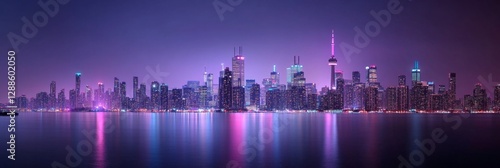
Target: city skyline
x=182, y=49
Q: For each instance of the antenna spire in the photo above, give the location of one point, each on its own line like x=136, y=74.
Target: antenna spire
x=333, y=43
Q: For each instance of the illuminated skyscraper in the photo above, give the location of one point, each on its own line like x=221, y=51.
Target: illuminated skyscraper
x=356, y=77
x=339, y=74
x=52, y=95
x=392, y=98
x=401, y=80
x=479, y=98
x=496, y=98
x=155, y=95
x=77, y=90
x=332, y=62
x=248, y=86
x=415, y=74
x=116, y=94
x=371, y=76
x=164, y=97
x=292, y=70
x=135, y=87
x=452, y=92
x=123, y=96
x=226, y=90
x=255, y=95
x=275, y=77
x=238, y=68
x=371, y=98
x=61, y=100
x=78, y=82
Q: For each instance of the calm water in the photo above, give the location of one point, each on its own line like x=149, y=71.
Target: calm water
x=251, y=140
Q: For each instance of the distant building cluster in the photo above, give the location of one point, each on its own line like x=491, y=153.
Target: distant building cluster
x=235, y=93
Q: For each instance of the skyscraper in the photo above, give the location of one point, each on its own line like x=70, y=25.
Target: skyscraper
x=401, y=80
x=332, y=62
x=238, y=68
x=479, y=98
x=452, y=92
x=255, y=95
x=356, y=77
x=496, y=98
x=123, y=96
x=155, y=95
x=292, y=70
x=61, y=100
x=116, y=94
x=415, y=74
x=226, y=90
x=392, y=98
x=77, y=89
x=52, y=95
x=135, y=87
x=248, y=87
x=164, y=97
x=371, y=76
x=275, y=77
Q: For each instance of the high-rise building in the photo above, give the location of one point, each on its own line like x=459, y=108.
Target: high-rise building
x=155, y=95
x=292, y=70
x=452, y=92
x=299, y=79
x=178, y=101
x=116, y=94
x=238, y=68
x=332, y=62
x=135, y=87
x=339, y=74
x=431, y=87
x=356, y=77
x=123, y=96
x=238, y=98
x=72, y=99
x=339, y=98
x=275, y=77
x=479, y=98
x=401, y=80
x=203, y=97
x=52, y=95
x=403, y=98
x=210, y=87
x=371, y=76
x=164, y=97
x=77, y=89
x=371, y=97
x=442, y=89
x=226, y=90
x=61, y=100
x=255, y=95
x=496, y=98
x=248, y=87
x=358, y=96
x=392, y=98
x=415, y=74
x=88, y=99
x=349, y=96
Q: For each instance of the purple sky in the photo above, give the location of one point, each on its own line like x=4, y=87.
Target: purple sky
x=107, y=39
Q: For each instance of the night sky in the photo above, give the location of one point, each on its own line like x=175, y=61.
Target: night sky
x=107, y=39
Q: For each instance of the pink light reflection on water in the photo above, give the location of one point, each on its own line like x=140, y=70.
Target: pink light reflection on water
x=330, y=145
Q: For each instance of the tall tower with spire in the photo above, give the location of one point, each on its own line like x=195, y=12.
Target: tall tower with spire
x=332, y=62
